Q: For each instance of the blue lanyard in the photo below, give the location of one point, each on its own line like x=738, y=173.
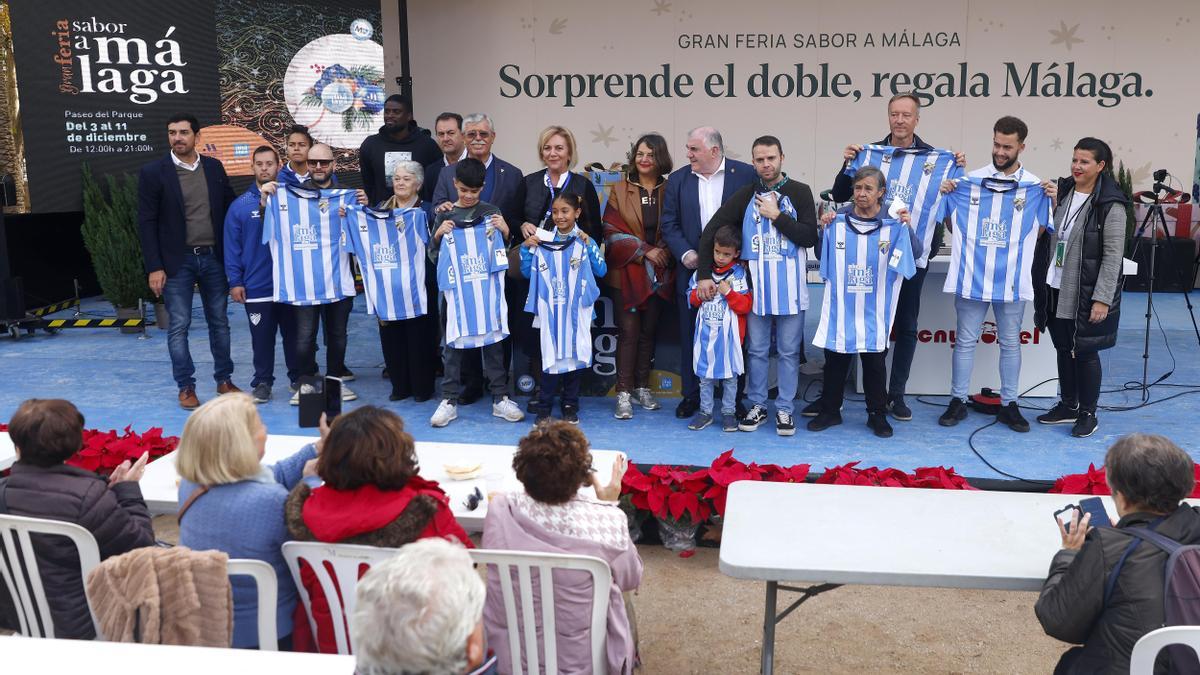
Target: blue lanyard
x=553, y=194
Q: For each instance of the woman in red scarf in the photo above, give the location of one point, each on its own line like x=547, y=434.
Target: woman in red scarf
x=640, y=267
x=372, y=495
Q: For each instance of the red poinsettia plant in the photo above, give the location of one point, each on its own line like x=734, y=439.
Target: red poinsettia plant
x=669, y=492
x=675, y=493
x=104, y=451
x=726, y=470
x=1094, y=482
x=930, y=477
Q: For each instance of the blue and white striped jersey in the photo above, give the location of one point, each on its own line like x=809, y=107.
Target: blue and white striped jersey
x=471, y=264
x=717, y=344
x=562, y=290
x=390, y=247
x=996, y=225
x=863, y=262
x=310, y=259
x=913, y=176
x=776, y=264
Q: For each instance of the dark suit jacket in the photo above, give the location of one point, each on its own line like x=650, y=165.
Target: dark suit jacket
x=161, y=218
x=432, y=173
x=505, y=197
x=681, y=226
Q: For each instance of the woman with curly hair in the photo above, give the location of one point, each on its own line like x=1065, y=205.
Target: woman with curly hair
x=552, y=516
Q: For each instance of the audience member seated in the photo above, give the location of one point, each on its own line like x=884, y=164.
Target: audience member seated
x=421, y=612
x=232, y=503
x=47, y=432
x=1149, y=476
x=551, y=516
x=372, y=495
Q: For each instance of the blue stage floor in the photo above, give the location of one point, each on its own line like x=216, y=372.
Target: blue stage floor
x=119, y=380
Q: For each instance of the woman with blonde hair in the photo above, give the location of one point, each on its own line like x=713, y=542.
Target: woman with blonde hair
x=232, y=503
x=557, y=150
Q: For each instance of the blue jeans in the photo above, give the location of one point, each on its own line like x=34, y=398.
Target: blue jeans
x=908, y=308
x=789, y=338
x=207, y=272
x=971, y=314
x=728, y=395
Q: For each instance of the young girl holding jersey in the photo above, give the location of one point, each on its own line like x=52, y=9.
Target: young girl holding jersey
x=563, y=266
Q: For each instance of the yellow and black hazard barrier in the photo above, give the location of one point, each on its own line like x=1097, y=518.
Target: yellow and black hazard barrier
x=86, y=323
x=56, y=307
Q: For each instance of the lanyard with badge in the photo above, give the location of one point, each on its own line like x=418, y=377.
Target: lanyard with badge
x=553, y=195
x=1060, y=248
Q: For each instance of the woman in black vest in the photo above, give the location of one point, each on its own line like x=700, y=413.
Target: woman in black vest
x=1077, y=281
x=556, y=148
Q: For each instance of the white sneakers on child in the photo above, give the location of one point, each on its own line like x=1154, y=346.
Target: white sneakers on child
x=446, y=413
x=507, y=410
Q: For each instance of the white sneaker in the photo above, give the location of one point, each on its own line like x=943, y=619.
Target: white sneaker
x=295, y=399
x=507, y=410
x=348, y=394
x=446, y=413
x=624, y=409
x=646, y=399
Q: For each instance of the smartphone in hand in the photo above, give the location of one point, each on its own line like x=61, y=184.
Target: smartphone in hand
x=1094, y=506
x=333, y=398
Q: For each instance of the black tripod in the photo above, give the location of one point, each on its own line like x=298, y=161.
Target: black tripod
x=1154, y=219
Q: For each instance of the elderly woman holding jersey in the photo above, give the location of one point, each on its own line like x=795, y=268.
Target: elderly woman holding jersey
x=640, y=267
x=410, y=345
x=1105, y=587
x=1077, y=281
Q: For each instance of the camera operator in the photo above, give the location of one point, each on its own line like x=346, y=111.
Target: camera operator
x=1149, y=477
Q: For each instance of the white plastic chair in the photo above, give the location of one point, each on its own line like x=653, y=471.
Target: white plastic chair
x=268, y=596
x=1141, y=662
x=345, y=559
x=22, y=578
x=545, y=564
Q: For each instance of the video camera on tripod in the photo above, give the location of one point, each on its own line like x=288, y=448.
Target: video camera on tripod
x=1155, y=218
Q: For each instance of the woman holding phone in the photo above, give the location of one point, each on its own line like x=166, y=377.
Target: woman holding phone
x=1149, y=477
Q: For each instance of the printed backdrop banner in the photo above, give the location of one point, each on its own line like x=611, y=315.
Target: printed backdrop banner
x=815, y=74
x=818, y=74
x=98, y=82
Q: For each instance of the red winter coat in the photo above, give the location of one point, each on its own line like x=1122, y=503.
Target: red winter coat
x=368, y=516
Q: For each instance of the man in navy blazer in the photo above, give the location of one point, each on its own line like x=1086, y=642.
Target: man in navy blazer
x=693, y=194
x=182, y=199
x=501, y=182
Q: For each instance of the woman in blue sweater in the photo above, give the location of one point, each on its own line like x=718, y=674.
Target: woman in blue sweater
x=232, y=503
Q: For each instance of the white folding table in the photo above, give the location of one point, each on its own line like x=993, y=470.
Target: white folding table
x=160, y=485
x=28, y=655
x=830, y=535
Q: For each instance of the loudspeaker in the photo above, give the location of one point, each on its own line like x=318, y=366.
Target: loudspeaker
x=1173, y=266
